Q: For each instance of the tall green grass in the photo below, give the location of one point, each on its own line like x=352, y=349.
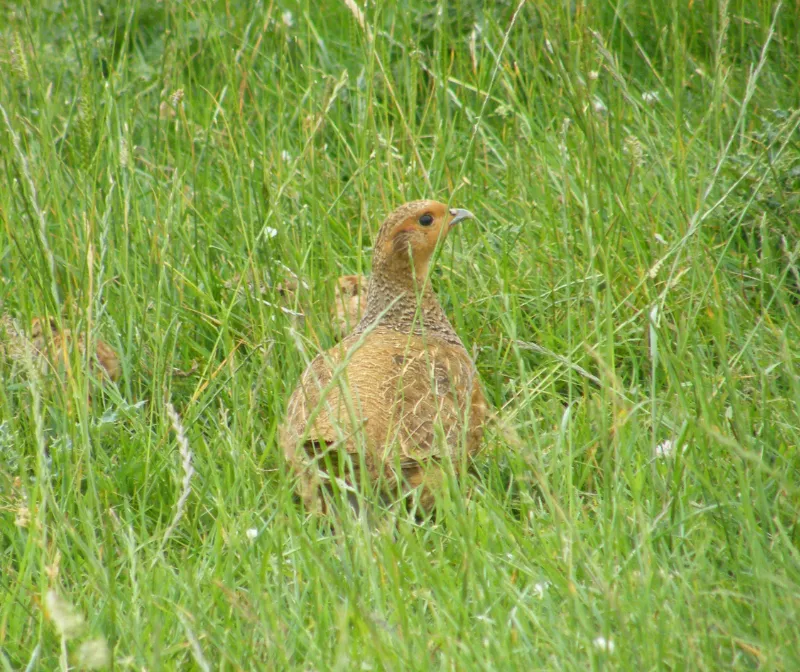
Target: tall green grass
x=631, y=291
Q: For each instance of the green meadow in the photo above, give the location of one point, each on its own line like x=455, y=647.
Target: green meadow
x=629, y=289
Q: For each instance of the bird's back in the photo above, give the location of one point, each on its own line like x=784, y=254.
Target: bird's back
x=393, y=399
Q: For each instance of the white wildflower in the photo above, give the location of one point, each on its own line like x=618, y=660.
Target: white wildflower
x=252, y=533
x=599, y=106
x=67, y=621
x=594, y=75
x=665, y=449
x=603, y=644
x=286, y=156
x=650, y=98
x=287, y=18
x=540, y=587
x=269, y=232
x=93, y=654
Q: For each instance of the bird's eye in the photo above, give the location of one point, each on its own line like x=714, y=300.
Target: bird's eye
x=426, y=219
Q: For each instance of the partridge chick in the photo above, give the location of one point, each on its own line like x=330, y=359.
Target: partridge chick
x=54, y=347
x=14, y=345
x=350, y=300
x=400, y=395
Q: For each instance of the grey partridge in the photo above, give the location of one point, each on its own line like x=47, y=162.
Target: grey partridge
x=54, y=347
x=398, y=400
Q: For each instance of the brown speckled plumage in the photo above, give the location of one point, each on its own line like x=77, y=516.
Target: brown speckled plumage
x=54, y=347
x=400, y=395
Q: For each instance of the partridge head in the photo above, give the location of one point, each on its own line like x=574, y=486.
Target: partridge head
x=402, y=255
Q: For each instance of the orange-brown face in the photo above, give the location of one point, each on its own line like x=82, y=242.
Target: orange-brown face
x=415, y=228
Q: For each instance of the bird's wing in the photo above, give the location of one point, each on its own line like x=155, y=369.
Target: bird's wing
x=323, y=408
x=407, y=401
x=432, y=388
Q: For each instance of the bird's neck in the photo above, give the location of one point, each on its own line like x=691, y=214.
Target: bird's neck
x=404, y=301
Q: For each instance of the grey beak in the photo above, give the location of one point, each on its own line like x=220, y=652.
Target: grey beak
x=459, y=215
